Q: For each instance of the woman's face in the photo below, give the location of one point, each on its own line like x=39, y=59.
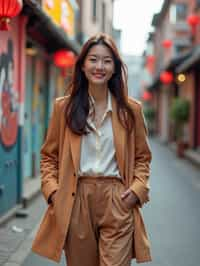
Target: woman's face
x=98, y=65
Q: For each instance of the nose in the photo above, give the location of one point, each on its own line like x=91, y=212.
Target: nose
x=100, y=64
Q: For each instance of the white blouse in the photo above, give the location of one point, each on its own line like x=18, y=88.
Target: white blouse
x=97, y=147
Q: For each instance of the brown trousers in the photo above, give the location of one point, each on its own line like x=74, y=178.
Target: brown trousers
x=101, y=226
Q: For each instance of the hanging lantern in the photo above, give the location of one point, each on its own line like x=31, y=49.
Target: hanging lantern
x=193, y=20
x=167, y=43
x=150, y=62
x=64, y=58
x=166, y=77
x=146, y=96
x=181, y=77
x=150, y=59
x=8, y=10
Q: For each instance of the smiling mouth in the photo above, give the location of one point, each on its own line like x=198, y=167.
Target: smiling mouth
x=98, y=75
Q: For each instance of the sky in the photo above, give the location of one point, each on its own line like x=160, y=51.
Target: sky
x=134, y=18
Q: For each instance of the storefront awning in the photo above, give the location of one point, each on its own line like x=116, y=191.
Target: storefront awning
x=177, y=60
x=47, y=33
x=189, y=62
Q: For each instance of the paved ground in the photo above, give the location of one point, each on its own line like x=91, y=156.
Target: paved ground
x=14, y=246
x=172, y=217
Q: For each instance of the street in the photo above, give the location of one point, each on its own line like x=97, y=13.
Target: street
x=72, y=67
x=172, y=216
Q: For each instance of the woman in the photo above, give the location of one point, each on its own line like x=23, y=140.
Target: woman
x=95, y=167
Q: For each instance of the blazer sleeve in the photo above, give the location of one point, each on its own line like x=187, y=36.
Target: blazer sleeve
x=49, y=157
x=143, y=158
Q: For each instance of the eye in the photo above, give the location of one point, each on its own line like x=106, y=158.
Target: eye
x=108, y=61
x=92, y=60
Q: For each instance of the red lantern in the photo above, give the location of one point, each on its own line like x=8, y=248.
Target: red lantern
x=8, y=10
x=146, y=96
x=167, y=43
x=150, y=61
x=193, y=20
x=166, y=77
x=64, y=58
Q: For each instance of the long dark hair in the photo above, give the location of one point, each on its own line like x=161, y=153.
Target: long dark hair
x=77, y=108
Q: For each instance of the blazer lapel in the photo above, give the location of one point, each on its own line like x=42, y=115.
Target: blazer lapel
x=75, y=144
x=119, y=138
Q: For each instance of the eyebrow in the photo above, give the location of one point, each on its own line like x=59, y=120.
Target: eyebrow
x=107, y=56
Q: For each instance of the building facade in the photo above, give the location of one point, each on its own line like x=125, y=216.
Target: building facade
x=181, y=58
x=95, y=16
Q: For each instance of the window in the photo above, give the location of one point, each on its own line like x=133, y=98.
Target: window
x=94, y=10
x=197, y=3
x=181, y=11
x=178, y=12
x=103, y=17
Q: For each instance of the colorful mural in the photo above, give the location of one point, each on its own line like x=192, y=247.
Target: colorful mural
x=35, y=108
x=9, y=100
x=9, y=125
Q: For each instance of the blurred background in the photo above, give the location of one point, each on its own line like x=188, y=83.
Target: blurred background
x=159, y=40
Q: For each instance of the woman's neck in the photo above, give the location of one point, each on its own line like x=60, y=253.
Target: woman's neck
x=100, y=94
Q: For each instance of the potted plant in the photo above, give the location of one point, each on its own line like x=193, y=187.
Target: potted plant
x=149, y=113
x=179, y=113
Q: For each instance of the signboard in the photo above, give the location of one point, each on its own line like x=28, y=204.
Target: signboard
x=61, y=13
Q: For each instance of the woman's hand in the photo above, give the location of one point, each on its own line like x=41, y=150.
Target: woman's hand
x=53, y=197
x=130, y=198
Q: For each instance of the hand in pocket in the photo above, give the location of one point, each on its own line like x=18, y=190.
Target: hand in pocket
x=130, y=198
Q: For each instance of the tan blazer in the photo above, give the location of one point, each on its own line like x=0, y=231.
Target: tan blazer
x=59, y=167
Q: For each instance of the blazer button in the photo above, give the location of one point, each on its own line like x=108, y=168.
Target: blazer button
x=73, y=194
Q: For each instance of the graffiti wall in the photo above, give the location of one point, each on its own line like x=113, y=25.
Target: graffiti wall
x=9, y=117
x=36, y=111
x=8, y=98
